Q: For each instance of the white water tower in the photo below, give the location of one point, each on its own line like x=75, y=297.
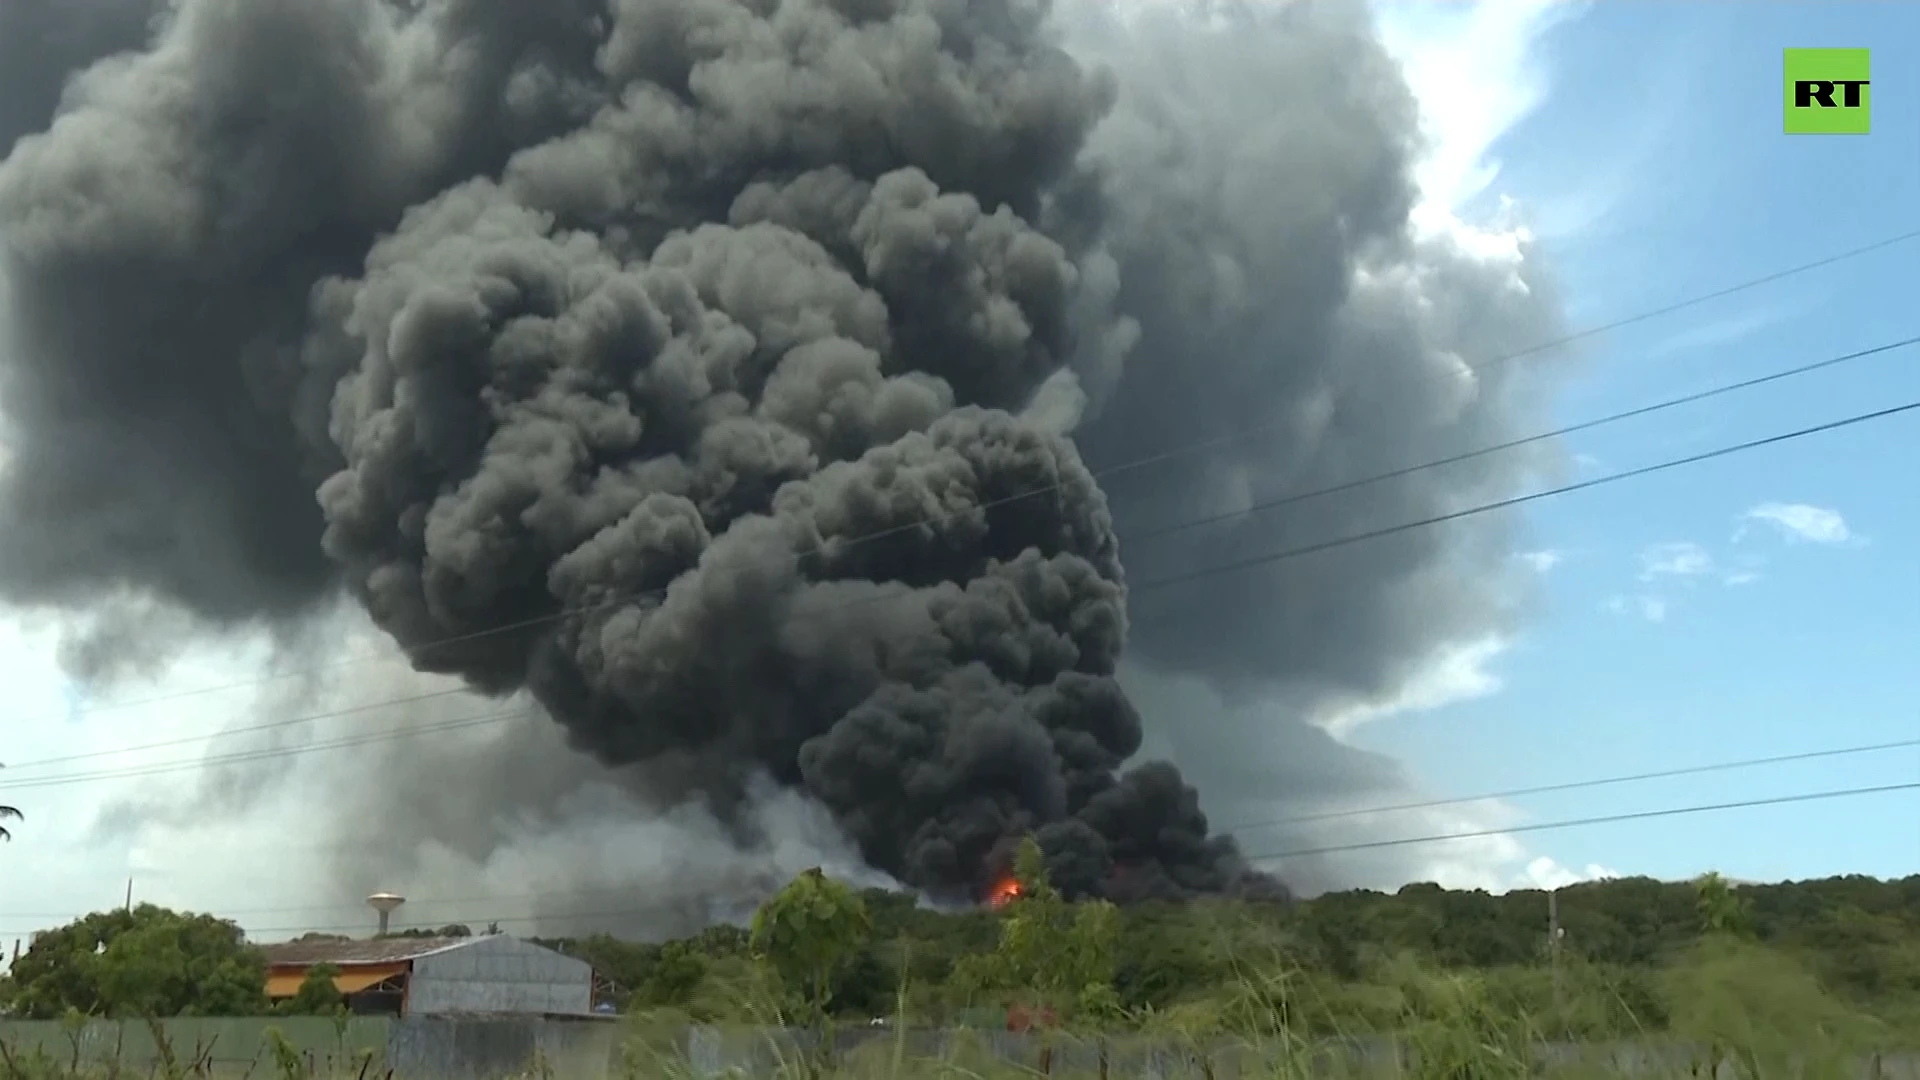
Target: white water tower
x=386, y=904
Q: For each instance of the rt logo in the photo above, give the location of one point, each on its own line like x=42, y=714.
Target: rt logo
x=1826, y=91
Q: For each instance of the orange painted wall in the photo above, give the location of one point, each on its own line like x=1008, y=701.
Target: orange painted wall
x=283, y=980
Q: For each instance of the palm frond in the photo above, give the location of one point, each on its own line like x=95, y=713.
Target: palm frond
x=9, y=812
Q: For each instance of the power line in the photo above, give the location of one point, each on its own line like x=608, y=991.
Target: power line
x=1577, y=785
x=1571, y=429
x=1518, y=500
x=163, y=768
x=1194, y=575
x=248, y=729
x=1574, y=823
x=1100, y=474
x=1694, y=770
x=1331, y=849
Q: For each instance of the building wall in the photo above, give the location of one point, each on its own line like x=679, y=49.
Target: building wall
x=500, y=974
x=471, y=1048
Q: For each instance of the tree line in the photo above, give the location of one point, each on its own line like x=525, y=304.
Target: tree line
x=819, y=950
x=1855, y=938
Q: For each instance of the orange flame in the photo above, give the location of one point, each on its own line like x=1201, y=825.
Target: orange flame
x=1003, y=891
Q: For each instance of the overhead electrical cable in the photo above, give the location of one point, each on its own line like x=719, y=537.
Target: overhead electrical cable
x=1132, y=537
x=243, y=729
x=1170, y=454
x=1576, y=785
x=265, y=753
x=1509, y=793
x=483, y=918
x=1599, y=819
x=1158, y=583
x=1518, y=500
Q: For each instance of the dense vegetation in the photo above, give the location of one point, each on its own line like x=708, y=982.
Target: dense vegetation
x=1637, y=957
x=143, y=962
x=1854, y=939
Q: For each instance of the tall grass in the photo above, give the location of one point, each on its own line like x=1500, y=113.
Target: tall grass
x=1727, y=1009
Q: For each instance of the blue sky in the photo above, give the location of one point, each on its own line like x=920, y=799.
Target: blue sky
x=1677, y=631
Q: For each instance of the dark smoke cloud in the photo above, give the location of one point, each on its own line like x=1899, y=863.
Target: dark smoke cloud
x=645, y=309
x=1257, y=202
x=42, y=42
x=1258, y=190
x=555, y=304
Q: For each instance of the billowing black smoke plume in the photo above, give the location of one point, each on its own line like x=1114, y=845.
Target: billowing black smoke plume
x=687, y=362
x=622, y=325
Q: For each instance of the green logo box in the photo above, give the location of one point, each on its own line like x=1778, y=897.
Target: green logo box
x=1827, y=91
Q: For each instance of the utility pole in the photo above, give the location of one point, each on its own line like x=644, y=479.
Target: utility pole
x=1554, y=934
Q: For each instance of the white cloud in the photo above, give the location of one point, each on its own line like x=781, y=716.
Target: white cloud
x=259, y=838
x=1476, y=856
x=1476, y=72
x=66, y=767
x=1745, y=569
x=1648, y=606
x=1678, y=559
x=1545, y=873
x=1687, y=562
x=1541, y=562
x=1802, y=523
x=1449, y=677
x=1718, y=332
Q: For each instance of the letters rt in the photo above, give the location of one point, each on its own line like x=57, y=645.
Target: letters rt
x=1827, y=92
x=1808, y=91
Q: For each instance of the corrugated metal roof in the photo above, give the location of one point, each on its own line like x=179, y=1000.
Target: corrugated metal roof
x=361, y=951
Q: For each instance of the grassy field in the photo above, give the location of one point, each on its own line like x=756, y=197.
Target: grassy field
x=1748, y=1007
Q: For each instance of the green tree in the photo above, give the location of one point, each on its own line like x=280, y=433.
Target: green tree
x=674, y=975
x=807, y=934
x=317, y=995
x=147, y=962
x=1061, y=953
x=1325, y=965
x=1760, y=1008
x=451, y=930
x=1721, y=909
x=1163, y=957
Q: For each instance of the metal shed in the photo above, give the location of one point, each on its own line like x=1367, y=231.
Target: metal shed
x=496, y=974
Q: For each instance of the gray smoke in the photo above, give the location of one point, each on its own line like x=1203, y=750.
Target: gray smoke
x=689, y=363
x=1256, y=200
x=1279, y=250
x=42, y=42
